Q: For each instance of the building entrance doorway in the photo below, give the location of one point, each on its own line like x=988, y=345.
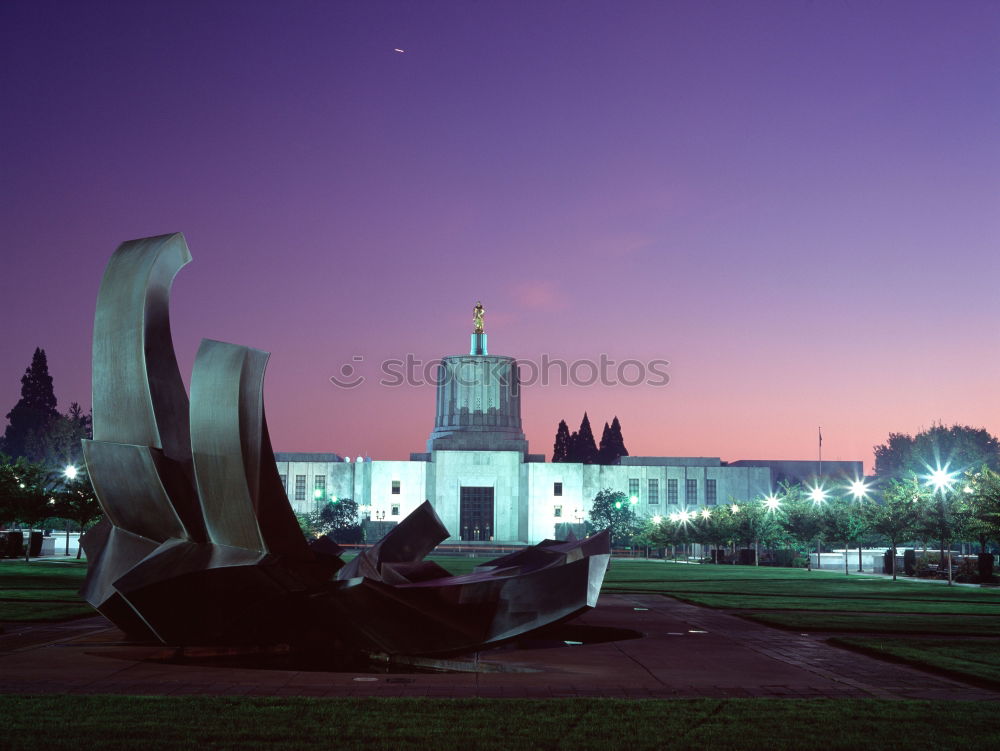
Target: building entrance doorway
x=476, y=513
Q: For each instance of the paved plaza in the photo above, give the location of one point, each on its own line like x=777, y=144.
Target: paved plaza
x=685, y=651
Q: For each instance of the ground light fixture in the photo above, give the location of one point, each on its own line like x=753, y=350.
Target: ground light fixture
x=818, y=495
x=70, y=472
x=706, y=513
x=772, y=502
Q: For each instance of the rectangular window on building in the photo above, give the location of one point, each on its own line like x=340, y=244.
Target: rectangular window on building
x=557, y=512
x=557, y=488
x=394, y=510
x=284, y=482
x=319, y=486
x=710, y=496
x=633, y=487
x=300, y=487
x=654, y=491
x=690, y=491
x=395, y=487
x=671, y=491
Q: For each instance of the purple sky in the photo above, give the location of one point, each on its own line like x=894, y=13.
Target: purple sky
x=794, y=203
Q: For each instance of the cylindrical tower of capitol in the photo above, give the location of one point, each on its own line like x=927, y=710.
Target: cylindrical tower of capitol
x=478, y=403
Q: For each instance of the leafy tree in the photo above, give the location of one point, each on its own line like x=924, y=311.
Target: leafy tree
x=979, y=507
x=672, y=535
x=753, y=524
x=893, y=456
x=645, y=536
x=939, y=518
x=31, y=415
x=897, y=515
x=586, y=446
x=337, y=519
x=77, y=502
x=560, y=450
x=801, y=518
x=844, y=520
x=959, y=447
x=611, y=510
x=715, y=529
x=28, y=494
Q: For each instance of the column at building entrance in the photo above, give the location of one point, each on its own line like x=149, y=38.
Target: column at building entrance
x=476, y=513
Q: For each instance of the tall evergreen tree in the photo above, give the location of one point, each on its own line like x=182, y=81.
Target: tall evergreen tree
x=560, y=450
x=35, y=410
x=586, y=445
x=604, y=449
x=617, y=441
x=573, y=448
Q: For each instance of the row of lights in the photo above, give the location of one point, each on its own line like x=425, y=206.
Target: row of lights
x=939, y=479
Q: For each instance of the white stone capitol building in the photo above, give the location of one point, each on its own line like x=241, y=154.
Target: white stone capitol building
x=484, y=484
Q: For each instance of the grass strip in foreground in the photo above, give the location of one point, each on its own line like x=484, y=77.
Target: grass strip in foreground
x=776, y=602
x=72, y=722
x=884, y=623
x=42, y=591
x=977, y=661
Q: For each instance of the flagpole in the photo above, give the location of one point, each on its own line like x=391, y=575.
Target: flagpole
x=820, y=478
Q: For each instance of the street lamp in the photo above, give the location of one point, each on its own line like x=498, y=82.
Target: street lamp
x=772, y=502
x=70, y=472
x=942, y=481
x=859, y=489
x=818, y=495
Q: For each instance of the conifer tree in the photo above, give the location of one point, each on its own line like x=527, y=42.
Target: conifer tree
x=586, y=445
x=604, y=455
x=617, y=441
x=34, y=411
x=560, y=450
x=573, y=452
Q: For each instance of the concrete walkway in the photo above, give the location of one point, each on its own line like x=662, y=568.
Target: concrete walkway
x=685, y=651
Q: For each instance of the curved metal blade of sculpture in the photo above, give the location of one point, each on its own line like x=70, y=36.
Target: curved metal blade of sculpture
x=199, y=544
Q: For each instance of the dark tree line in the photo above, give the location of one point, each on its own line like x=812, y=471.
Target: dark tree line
x=36, y=430
x=39, y=443
x=580, y=446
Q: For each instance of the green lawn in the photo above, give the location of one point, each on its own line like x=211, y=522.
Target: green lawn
x=840, y=603
x=42, y=590
x=153, y=723
x=879, y=623
x=979, y=659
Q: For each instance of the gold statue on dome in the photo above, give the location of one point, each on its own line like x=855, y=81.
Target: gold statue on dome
x=477, y=317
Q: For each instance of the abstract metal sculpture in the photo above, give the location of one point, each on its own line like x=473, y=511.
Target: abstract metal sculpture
x=199, y=544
